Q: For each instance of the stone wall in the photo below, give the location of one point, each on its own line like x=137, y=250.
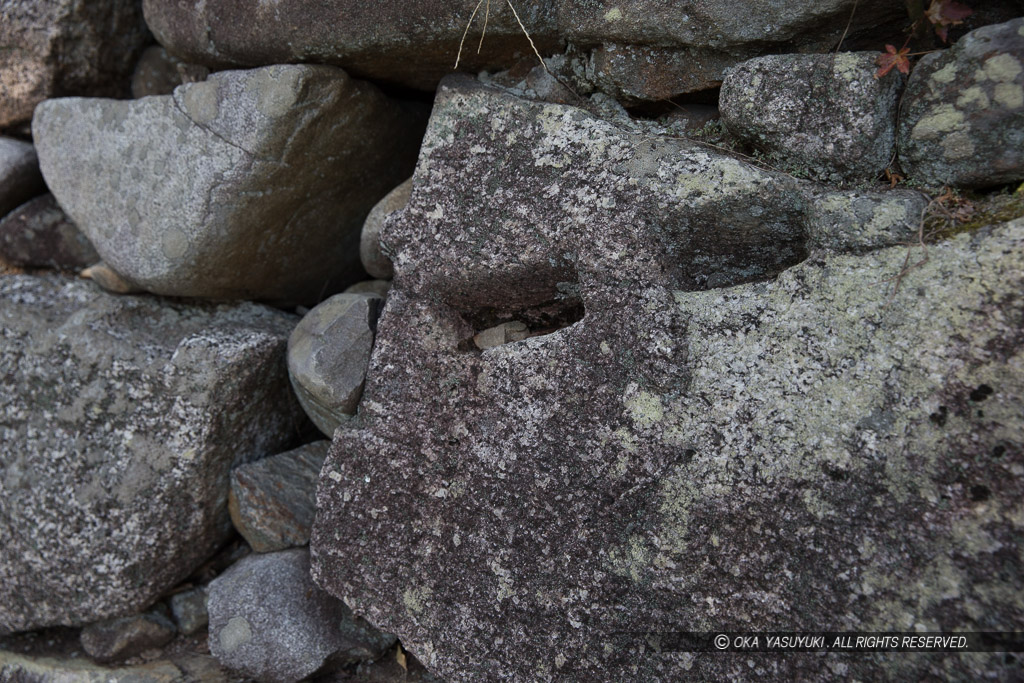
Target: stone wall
x=322, y=362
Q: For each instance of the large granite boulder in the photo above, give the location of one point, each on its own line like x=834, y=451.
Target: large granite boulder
x=706, y=426
x=252, y=184
x=270, y=622
x=120, y=420
x=962, y=120
x=824, y=115
x=409, y=43
x=52, y=48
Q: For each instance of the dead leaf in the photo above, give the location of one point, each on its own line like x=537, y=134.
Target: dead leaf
x=400, y=658
x=893, y=58
x=946, y=13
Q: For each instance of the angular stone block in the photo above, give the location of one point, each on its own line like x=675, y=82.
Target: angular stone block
x=251, y=184
x=120, y=421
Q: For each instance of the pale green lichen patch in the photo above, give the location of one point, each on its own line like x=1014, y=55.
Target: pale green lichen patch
x=1009, y=95
x=644, y=409
x=415, y=598
x=1003, y=68
x=973, y=97
x=614, y=14
x=944, y=118
x=946, y=74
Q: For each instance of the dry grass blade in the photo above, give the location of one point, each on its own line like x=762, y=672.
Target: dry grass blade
x=466, y=32
x=487, y=16
x=527, y=34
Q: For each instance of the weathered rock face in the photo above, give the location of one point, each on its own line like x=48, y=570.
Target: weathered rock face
x=63, y=47
x=272, y=500
x=120, y=420
x=19, y=174
x=252, y=184
x=327, y=357
x=118, y=639
x=413, y=44
x=714, y=23
x=963, y=112
x=826, y=115
x=686, y=434
x=39, y=234
x=269, y=621
x=375, y=261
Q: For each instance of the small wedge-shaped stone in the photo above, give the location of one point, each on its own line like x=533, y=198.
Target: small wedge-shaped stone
x=39, y=234
x=273, y=500
x=328, y=353
x=252, y=184
x=120, y=420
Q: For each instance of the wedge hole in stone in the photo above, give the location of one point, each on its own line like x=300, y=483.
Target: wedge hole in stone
x=497, y=325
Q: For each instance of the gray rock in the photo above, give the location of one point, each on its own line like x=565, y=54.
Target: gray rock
x=378, y=287
x=189, y=609
x=327, y=357
x=120, y=421
x=156, y=73
x=19, y=174
x=118, y=639
x=375, y=261
x=61, y=668
x=825, y=115
x=962, y=120
x=638, y=73
x=269, y=621
x=855, y=221
x=413, y=44
x=719, y=24
x=38, y=234
x=273, y=500
x=690, y=446
x=252, y=184
x=64, y=47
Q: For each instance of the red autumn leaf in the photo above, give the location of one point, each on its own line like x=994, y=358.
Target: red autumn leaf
x=946, y=13
x=893, y=58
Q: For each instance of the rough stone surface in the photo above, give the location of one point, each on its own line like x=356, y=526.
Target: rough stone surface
x=38, y=234
x=377, y=287
x=269, y=621
x=327, y=357
x=272, y=500
x=856, y=221
x=118, y=639
x=19, y=174
x=156, y=73
x=633, y=73
x=375, y=261
x=963, y=112
x=189, y=610
x=53, y=48
x=825, y=115
x=717, y=23
x=120, y=420
x=412, y=44
x=251, y=184
x=21, y=668
x=751, y=448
